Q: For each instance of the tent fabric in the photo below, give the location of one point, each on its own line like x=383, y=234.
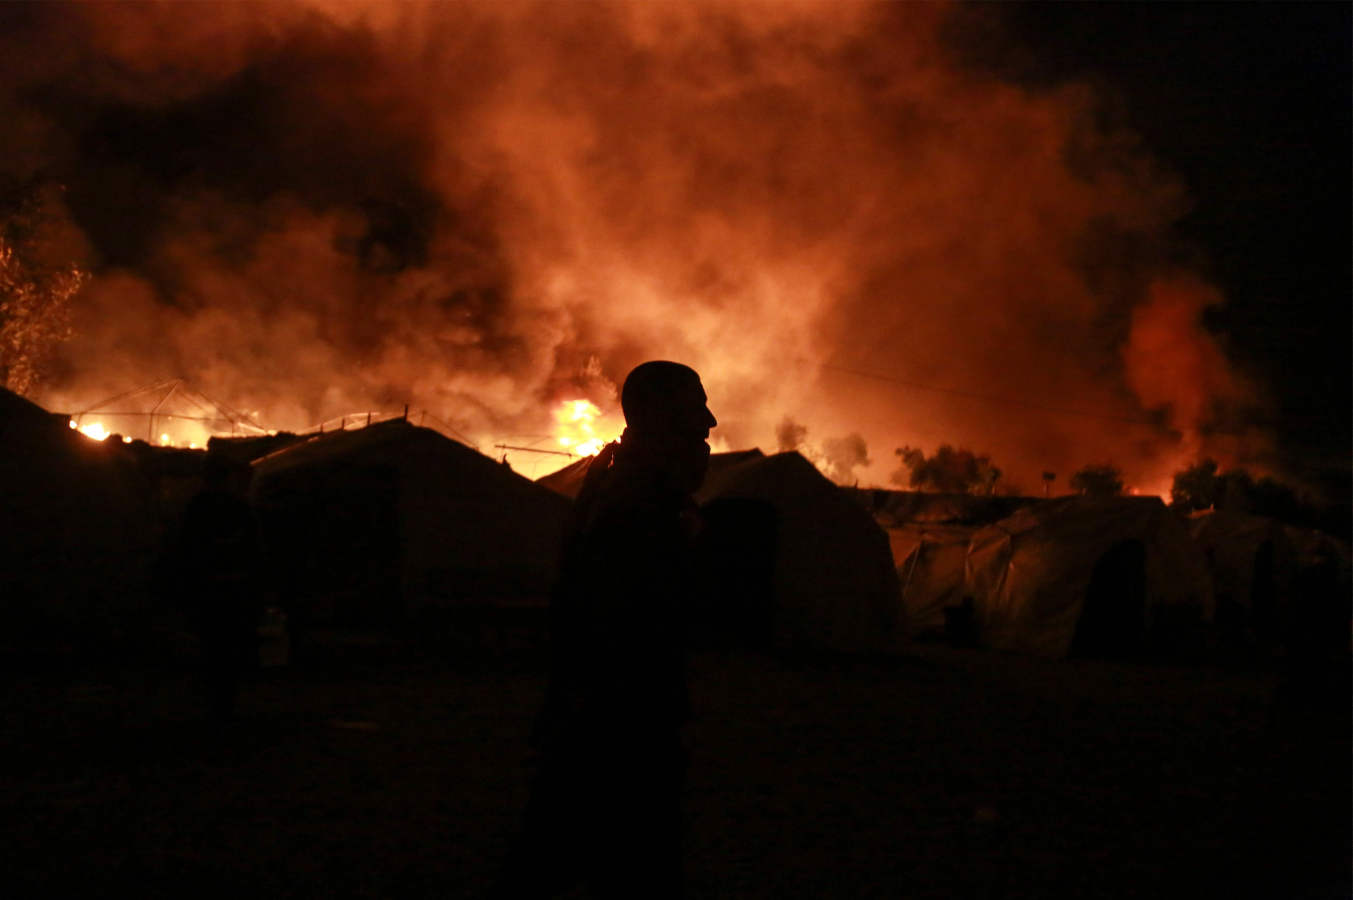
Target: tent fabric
x=931, y=562
x=77, y=535
x=393, y=508
x=568, y=481
x=1031, y=574
x=900, y=508
x=835, y=587
x=1254, y=565
x=1233, y=543
x=833, y=582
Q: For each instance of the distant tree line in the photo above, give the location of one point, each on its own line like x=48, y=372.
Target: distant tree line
x=1098, y=480
x=950, y=470
x=1199, y=486
x=1204, y=486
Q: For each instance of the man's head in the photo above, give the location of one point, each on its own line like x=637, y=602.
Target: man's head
x=667, y=419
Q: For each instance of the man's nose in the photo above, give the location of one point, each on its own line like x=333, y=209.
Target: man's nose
x=710, y=421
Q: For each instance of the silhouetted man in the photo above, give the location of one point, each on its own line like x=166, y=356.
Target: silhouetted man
x=605, y=808
x=217, y=568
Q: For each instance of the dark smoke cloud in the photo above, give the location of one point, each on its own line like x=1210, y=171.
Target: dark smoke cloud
x=486, y=209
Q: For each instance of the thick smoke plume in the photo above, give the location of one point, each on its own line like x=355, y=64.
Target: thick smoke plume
x=309, y=209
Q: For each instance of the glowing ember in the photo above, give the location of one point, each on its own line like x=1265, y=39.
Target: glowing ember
x=1160, y=489
x=580, y=430
x=93, y=430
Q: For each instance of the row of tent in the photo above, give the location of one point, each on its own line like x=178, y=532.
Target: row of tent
x=791, y=559
x=355, y=527
x=1079, y=575
x=828, y=568
x=77, y=530
x=1110, y=575
x=390, y=520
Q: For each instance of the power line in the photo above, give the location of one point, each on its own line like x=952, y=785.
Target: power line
x=1285, y=460
x=991, y=398
x=533, y=450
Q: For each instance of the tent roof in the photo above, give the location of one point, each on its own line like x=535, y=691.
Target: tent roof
x=1030, y=572
x=325, y=446
x=77, y=528
x=569, y=480
x=1071, y=515
x=466, y=527
x=753, y=475
x=402, y=445
x=378, y=438
x=17, y=411
x=249, y=448
x=899, y=507
x=836, y=585
x=44, y=441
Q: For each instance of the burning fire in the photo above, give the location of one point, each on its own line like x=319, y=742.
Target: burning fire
x=1160, y=489
x=682, y=212
x=580, y=430
x=98, y=431
x=93, y=430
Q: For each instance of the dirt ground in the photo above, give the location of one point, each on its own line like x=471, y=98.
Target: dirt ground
x=384, y=769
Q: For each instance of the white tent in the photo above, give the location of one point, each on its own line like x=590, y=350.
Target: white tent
x=395, y=517
x=931, y=561
x=1082, y=574
x=1253, y=564
x=835, y=587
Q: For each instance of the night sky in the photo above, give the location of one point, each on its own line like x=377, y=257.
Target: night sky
x=1251, y=104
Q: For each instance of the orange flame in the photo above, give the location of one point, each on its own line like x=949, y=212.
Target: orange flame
x=93, y=430
x=582, y=430
x=192, y=436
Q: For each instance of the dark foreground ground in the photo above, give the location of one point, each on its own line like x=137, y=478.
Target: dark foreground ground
x=378, y=770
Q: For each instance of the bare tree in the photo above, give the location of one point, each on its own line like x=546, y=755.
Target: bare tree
x=1101, y=480
x=34, y=318
x=948, y=470
x=35, y=295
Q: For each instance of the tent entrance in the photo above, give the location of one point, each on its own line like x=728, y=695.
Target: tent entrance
x=1113, y=619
